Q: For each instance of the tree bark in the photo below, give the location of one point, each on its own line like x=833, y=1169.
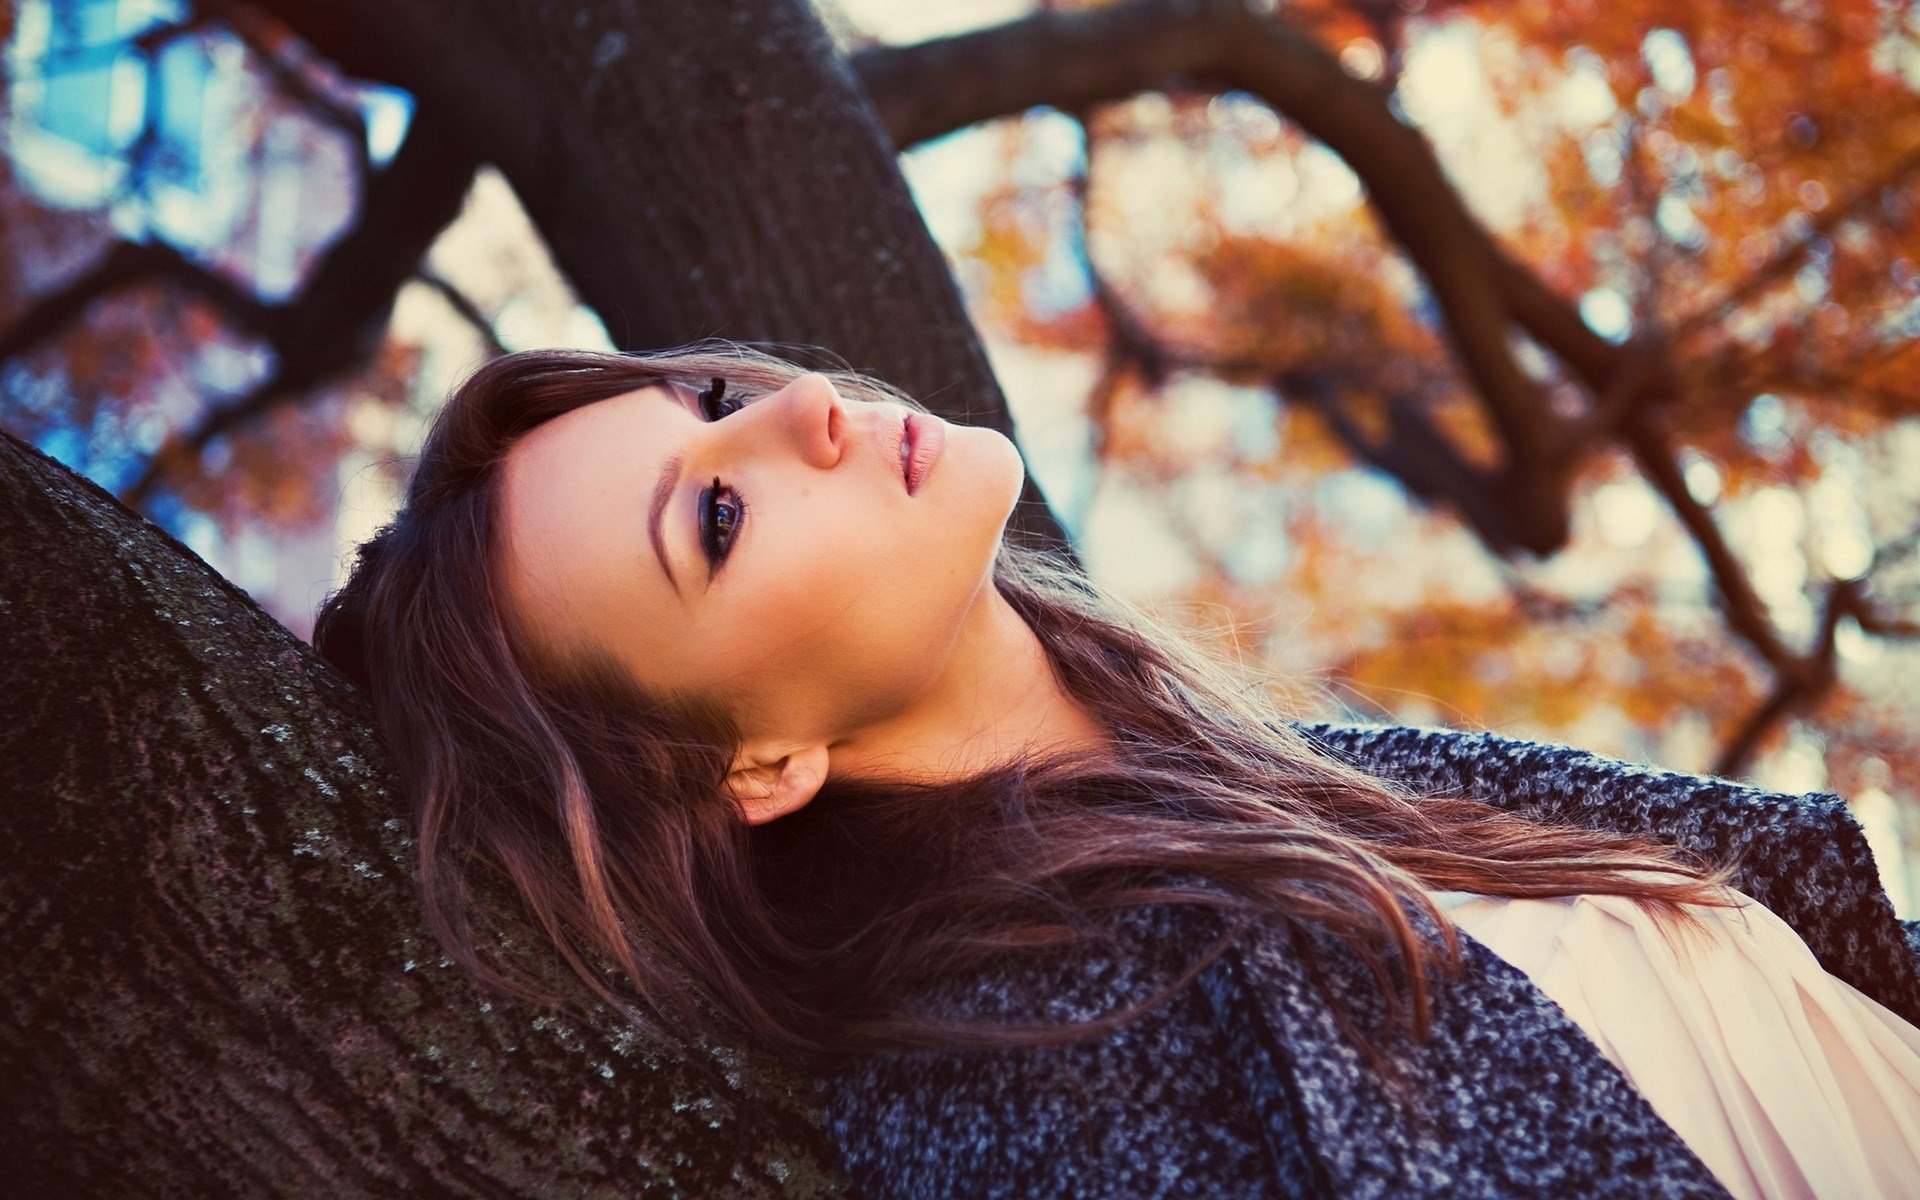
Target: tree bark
x=216, y=980
x=696, y=170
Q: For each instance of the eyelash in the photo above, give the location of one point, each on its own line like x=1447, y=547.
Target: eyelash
x=710, y=401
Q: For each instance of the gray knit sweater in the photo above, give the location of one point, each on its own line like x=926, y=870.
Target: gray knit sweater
x=1243, y=1086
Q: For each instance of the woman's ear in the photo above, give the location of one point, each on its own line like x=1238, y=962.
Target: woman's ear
x=765, y=790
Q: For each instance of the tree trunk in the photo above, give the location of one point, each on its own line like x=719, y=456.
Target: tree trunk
x=697, y=169
x=216, y=979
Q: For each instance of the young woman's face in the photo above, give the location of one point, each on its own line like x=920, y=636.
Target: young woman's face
x=808, y=592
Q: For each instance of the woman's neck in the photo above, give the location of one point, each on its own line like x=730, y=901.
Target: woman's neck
x=998, y=700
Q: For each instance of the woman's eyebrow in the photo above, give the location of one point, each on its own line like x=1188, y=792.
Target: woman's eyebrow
x=663, y=491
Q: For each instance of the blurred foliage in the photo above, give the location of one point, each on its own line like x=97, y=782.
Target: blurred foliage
x=1680, y=169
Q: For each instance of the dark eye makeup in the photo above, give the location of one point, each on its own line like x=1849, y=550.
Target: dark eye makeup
x=722, y=510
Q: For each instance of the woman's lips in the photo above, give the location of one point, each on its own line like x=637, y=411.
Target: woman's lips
x=926, y=437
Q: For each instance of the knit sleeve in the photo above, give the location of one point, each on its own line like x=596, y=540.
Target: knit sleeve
x=1165, y=1106
x=1807, y=857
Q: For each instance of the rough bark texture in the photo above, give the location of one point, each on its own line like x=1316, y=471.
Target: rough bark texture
x=697, y=170
x=215, y=978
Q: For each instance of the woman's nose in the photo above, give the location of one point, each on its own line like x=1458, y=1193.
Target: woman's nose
x=809, y=417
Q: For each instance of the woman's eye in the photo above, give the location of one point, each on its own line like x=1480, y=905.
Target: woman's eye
x=710, y=400
x=722, y=511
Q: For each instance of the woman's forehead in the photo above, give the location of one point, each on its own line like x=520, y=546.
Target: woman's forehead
x=574, y=508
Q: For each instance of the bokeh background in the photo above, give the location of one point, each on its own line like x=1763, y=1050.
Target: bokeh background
x=1237, y=390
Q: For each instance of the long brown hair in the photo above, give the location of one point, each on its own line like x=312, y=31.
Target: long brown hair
x=596, y=811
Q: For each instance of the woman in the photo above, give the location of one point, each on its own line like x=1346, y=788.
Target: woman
x=721, y=672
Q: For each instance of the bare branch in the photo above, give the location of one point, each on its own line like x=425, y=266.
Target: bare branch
x=1418, y=454
x=335, y=322
x=1887, y=627
x=123, y=264
x=1133, y=341
x=1742, y=606
x=1416, y=451
x=1624, y=394
x=1073, y=61
x=180, y=452
x=462, y=304
x=1079, y=59
x=1799, y=678
x=1793, y=690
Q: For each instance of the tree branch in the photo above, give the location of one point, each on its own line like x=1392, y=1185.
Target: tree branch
x=1075, y=60
x=123, y=264
x=462, y=304
x=336, y=321
x=1792, y=690
x=1742, y=606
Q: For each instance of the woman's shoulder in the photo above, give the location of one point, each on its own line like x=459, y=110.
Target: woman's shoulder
x=1243, y=1084
x=1803, y=855
x=1128, y=952
x=1157, y=1106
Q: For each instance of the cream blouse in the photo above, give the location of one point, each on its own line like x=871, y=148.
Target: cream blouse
x=1787, y=1081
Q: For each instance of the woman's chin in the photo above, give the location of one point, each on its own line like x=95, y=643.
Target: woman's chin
x=996, y=467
